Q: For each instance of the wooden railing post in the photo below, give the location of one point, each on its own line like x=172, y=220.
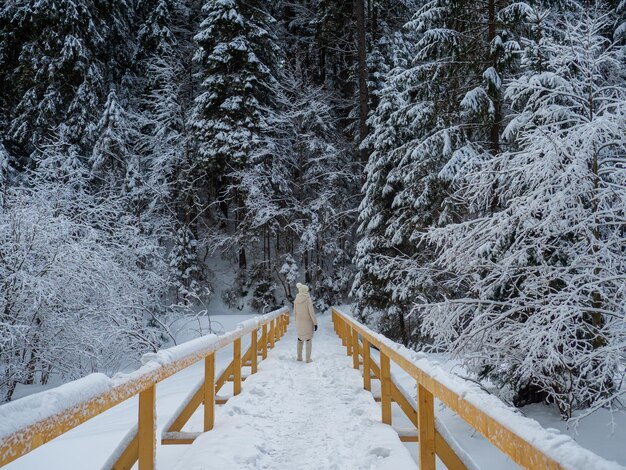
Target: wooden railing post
x=367, y=370
x=147, y=428
x=272, y=333
x=355, y=348
x=426, y=428
x=209, y=392
x=254, y=347
x=237, y=366
x=264, y=342
x=348, y=333
x=385, y=387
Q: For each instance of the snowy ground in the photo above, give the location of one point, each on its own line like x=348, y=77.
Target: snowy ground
x=293, y=415
x=312, y=399
x=91, y=443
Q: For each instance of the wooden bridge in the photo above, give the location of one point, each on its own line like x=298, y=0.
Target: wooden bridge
x=306, y=409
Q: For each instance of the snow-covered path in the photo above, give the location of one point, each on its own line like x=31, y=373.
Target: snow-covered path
x=293, y=415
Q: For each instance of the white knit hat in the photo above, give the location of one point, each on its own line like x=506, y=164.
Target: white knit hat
x=302, y=288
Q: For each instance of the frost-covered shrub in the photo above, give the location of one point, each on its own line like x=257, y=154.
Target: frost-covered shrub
x=79, y=282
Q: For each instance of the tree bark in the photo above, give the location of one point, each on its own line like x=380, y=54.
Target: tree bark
x=494, y=132
x=362, y=68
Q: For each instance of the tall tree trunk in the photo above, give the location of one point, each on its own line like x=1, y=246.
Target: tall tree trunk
x=494, y=132
x=362, y=67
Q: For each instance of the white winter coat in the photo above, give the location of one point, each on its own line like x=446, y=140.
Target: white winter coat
x=305, y=316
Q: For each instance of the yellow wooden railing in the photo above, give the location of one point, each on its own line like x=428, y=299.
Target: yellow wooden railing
x=358, y=340
x=141, y=444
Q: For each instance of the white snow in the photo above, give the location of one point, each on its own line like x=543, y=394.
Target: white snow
x=293, y=415
x=92, y=443
x=167, y=356
x=21, y=413
x=551, y=442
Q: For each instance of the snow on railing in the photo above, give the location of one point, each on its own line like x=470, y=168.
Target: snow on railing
x=523, y=439
x=29, y=422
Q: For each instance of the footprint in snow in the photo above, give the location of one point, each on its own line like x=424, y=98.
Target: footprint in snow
x=258, y=391
x=380, y=452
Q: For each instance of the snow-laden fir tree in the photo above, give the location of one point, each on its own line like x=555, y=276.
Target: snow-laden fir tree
x=375, y=279
x=57, y=75
x=299, y=191
x=4, y=172
x=115, y=143
x=541, y=280
x=166, y=141
x=237, y=58
x=447, y=100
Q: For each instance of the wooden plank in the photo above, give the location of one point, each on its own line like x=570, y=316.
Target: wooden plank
x=221, y=380
x=209, y=392
x=169, y=442
x=264, y=340
x=519, y=450
x=177, y=438
x=446, y=454
x=367, y=371
x=129, y=456
x=221, y=400
x=385, y=374
x=254, y=358
x=348, y=340
x=272, y=333
x=355, y=349
x=189, y=409
x=404, y=403
x=426, y=428
x=237, y=366
x=146, y=429
x=407, y=435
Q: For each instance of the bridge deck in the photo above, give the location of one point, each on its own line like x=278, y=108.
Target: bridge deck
x=293, y=415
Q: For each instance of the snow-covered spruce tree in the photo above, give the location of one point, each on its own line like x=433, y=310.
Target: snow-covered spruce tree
x=57, y=74
x=449, y=104
x=542, y=279
x=115, y=143
x=299, y=191
x=76, y=294
x=5, y=170
x=166, y=97
x=237, y=59
x=373, y=287
x=184, y=265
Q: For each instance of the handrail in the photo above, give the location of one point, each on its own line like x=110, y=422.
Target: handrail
x=521, y=438
x=107, y=392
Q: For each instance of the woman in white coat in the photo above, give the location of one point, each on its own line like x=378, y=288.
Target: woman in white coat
x=306, y=323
